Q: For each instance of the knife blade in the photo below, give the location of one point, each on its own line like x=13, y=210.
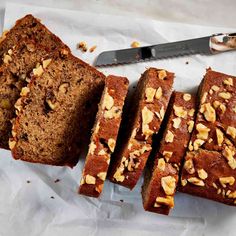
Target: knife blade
x=205, y=45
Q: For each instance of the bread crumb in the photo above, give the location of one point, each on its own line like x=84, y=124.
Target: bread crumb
x=82, y=46
x=52, y=197
x=135, y=44
x=186, y=62
x=92, y=48
x=28, y=182
x=57, y=180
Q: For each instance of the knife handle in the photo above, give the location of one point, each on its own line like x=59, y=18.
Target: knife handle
x=222, y=42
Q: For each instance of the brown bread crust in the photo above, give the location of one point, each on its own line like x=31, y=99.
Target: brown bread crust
x=161, y=178
x=212, y=146
x=104, y=136
x=56, y=111
x=149, y=104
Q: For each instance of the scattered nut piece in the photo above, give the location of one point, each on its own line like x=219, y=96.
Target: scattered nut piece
x=209, y=112
x=158, y=93
x=231, y=131
x=83, y=46
x=225, y=95
x=228, y=81
x=190, y=126
x=169, y=137
x=167, y=155
x=202, y=131
x=114, y=112
x=89, y=179
x=102, y=175
x=92, y=48
x=227, y=180
x=168, y=200
x=46, y=63
x=7, y=58
x=118, y=176
x=161, y=164
x=176, y=122
x=219, y=136
x=189, y=167
x=135, y=44
x=187, y=97
x=198, y=143
x=108, y=101
x=150, y=93
x=24, y=91
x=38, y=71
x=202, y=174
x=168, y=184
x=196, y=181
x=162, y=74
x=180, y=112
x=111, y=144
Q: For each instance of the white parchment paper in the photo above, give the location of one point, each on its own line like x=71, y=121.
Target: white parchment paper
x=32, y=202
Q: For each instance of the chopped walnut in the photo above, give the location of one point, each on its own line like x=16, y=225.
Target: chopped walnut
x=202, y=174
x=169, y=137
x=190, y=126
x=93, y=48
x=118, y=176
x=92, y=148
x=190, y=146
x=158, y=93
x=196, y=181
x=231, y=131
x=168, y=200
x=219, y=136
x=208, y=112
x=7, y=58
x=83, y=46
x=183, y=182
x=228, y=81
x=24, y=91
x=191, y=112
x=46, y=63
x=227, y=180
x=197, y=143
x=229, y=155
x=202, y=131
x=114, y=112
x=162, y=74
x=187, y=97
x=102, y=175
x=111, y=144
x=108, y=102
x=180, y=112
x=38, y=71
x=168, y=184
x=215, y=88
x=161, y=114
x=204, y=97
x=225, y=95
x=102, y=152
x=147, y=115
x=176, y=122
x=98, y=188
x=51, y=104
x=63, y=88
x=89, y=179
x=161, y=164
x=167, y=155
x=12, y=143
x=150, y=93
x=189, y=167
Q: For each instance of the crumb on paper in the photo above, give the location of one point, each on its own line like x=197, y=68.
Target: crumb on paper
x=28, y=181
x=52, y=197
x=186, y=62
x=134, y=87
x=92, y=48
x=135, y=44
x=82, y=46
x=121, y=200
x=57, y=180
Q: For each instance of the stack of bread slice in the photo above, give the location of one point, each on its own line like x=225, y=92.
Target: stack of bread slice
x=50, y=100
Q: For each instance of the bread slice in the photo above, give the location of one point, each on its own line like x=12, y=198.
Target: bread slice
x=56, y=111
x=14, y=74
x=104, y=136
x=25, y=28
x=162, y=174
x=209, y=169
x=147, y=110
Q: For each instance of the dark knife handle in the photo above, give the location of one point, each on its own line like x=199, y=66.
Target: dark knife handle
x=222, y=42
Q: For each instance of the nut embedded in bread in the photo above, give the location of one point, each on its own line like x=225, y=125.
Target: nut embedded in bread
x=55, y=116
x=104, y=136
x=147, y=110
x=162, y=173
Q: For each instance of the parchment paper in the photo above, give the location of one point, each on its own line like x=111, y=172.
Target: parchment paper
x=33, y=202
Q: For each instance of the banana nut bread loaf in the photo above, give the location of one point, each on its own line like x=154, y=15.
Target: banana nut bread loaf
x=162, y=172
x=29, y=27
x=147, y=111
x=209, y=170
x=103, y=140
x=56, y=111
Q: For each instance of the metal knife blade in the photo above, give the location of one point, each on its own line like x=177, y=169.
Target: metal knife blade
x=204, y=45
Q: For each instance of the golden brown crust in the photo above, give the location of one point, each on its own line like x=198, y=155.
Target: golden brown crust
x=104, y=136
x=161, y=178
x=149, y=105
x=212, y=146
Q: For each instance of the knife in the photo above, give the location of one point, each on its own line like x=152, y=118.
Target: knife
x=207, y=45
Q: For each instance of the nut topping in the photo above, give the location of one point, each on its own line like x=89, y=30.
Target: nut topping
x=89, y=179
x=215, y=88
x=7, y=58
x=168, y=200
x=231, y=131
x=102, y=175
x=197, y=143
x=111, y=144
x=187, y=97
x=118, y=176
x=38, y=71
x=208, y=112
x=229, y=155
x=202, y=131
x=114, y=112
x=108, y=101
x=196, y=181
x=167, y=155
x=225, y=95
x=180, y=112
x=161, y=164
x=176, y=122
x=169, y=137
x=203, y=99
x=24, y=91
x=220, y=137
x=202, y=174
x=227, y=180
x=189, y=167
x=46, y=63
x=12, y=143
x=150, y=93
x=168, y=184
x=190, y=126
x=158, y=93
x=162, y=74
x=228, y=81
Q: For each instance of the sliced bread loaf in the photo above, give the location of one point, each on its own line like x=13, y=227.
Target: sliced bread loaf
x=104, y=136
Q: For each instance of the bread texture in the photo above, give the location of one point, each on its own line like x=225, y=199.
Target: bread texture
x=209, y=169
x=56, y=111
x=162, y=173
x=104, y=136
x=146, y=112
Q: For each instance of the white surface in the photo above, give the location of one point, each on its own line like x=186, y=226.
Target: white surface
x=27, y=208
